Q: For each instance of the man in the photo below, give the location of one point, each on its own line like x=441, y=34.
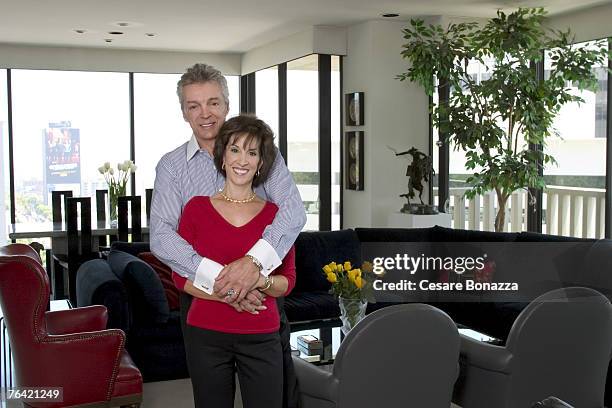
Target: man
x=188, y=171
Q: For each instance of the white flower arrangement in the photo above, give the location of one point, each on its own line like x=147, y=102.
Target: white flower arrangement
x=125, y=169
x=117, y=184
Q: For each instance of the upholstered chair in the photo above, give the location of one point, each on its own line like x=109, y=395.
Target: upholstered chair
x=399, y=356
x=558, y=346
x=70, y=349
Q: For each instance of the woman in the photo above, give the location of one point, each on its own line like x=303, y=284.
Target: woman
x=221, y=339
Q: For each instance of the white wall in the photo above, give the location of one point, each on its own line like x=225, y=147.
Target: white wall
x=589, y=24
x=114, y=60
x=396, y=115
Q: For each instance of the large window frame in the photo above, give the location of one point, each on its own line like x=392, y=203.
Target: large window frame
x=247, y=103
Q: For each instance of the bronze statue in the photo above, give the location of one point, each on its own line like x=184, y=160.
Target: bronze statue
x=418, y=171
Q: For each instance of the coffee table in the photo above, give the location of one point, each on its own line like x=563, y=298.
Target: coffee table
x=332, y=337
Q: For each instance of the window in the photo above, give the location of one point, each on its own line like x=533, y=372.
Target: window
x=266, y=98
x=66, y=124
x=576, y=185
x=5, y=201
x=158, y=121
x=303, y=133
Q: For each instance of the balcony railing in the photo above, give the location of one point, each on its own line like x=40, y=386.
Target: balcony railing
x=570, y=211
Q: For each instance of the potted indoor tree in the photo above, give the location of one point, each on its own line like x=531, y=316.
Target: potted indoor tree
x=497, y=120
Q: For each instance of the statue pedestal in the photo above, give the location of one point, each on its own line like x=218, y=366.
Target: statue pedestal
x=403, y=220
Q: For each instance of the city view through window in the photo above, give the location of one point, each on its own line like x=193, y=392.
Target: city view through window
x=66, y=124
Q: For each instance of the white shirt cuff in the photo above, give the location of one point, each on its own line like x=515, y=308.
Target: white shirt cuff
x=207, y=271
x=265, y=253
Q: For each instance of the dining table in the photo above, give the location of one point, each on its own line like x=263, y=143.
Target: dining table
x=58, y=234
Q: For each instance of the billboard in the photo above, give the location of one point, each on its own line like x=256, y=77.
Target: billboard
x=62, y=153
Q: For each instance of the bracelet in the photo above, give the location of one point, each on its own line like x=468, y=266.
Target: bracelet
x=255, y=261
x=268, y=282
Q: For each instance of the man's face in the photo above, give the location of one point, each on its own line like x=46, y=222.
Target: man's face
x=204, y=108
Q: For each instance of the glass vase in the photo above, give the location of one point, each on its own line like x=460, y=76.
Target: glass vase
x=114, y=192
x=351, y=312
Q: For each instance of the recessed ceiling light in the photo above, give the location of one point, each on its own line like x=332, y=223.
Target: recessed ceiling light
x=80, y=31
x=130, y=24
x=150, y=34
x=115, y=32
x=108, y=40
x=390, y=15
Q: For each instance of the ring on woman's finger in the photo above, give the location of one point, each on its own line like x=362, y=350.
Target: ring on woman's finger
x=230, y=292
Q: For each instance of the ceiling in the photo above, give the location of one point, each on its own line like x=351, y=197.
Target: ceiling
x=218, y=25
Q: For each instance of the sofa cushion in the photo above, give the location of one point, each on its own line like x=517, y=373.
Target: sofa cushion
x=315, y=249
x=147, y=297
x=311, y=306
x=165, y=275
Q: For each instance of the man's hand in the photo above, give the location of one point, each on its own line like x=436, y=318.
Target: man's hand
x=252, y=303
x=236, y=280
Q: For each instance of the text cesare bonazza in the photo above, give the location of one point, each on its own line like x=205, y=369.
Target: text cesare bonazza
x=411, y=264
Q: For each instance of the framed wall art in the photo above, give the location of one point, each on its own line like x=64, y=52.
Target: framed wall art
x=353, y=107
x=353, y=163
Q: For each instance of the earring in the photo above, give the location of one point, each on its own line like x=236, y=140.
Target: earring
x=257, y=174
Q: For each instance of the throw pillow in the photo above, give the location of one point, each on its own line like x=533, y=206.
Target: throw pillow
x=165, y=275
x=147, y=297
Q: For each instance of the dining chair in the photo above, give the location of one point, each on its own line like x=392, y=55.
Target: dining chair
x=148, y=199
x=101, y=215
x=80, y=248
x=57, y=199
x=122, y=218
x=69, y=349
x=58, y=210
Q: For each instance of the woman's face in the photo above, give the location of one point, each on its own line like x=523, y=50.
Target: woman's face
x=241, y=161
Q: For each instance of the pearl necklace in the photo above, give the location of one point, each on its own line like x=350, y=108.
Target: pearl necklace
x=233, y=200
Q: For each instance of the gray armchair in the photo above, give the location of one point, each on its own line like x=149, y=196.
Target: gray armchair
x=399, y=356
x=559, y=345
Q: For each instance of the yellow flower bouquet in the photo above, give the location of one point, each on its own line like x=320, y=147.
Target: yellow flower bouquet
x=350, y=283
x=353, y=287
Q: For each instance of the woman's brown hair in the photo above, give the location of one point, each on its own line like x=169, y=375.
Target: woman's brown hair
x=254, y=129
